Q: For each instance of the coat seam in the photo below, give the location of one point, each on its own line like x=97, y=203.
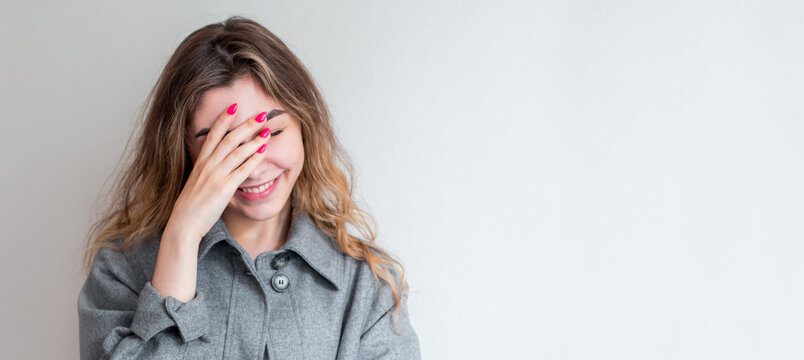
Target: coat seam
x=367, y=311
x=299, y=327
x=232, y=299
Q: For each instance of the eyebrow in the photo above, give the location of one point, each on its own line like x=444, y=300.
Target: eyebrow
x=272, y=114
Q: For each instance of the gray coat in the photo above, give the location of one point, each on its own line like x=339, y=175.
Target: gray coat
x=306, y=300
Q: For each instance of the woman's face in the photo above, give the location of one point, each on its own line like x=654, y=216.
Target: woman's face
x=284, y=154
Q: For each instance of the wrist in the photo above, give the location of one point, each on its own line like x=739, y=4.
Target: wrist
x=176, y=236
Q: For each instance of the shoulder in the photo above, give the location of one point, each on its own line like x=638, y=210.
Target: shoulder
x=115, y=278
x=382, y=304
x=374, y=289
x=126, y=263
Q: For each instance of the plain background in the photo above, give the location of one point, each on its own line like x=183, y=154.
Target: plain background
x=561, y=179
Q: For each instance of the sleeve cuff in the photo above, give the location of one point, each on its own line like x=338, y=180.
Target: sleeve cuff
x=156, y=313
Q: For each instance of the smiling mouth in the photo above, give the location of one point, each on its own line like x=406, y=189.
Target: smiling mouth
x=258, y=189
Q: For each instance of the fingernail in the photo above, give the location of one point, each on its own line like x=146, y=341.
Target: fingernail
x=262, y=148
x=261, y=116
x=265, y=132
x=232, y=109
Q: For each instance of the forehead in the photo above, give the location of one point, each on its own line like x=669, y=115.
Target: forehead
x=247, y=93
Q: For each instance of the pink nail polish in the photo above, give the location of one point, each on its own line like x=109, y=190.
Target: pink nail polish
x=265, y=132
x=232, y=109
x=261, y=116
x=262, y=148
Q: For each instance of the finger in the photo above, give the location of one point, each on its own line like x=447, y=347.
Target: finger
x=245, y=152
x=240, y=174
x=236, y=137
x=217, y=131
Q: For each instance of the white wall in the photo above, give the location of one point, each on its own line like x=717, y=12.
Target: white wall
x=561, y=179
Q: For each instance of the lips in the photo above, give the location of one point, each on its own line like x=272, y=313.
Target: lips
x=256, y=186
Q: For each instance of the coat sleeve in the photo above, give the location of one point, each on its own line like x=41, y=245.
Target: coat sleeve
x=382, y=339
x=119, y=320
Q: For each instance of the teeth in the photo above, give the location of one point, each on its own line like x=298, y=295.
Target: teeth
x=259, y=189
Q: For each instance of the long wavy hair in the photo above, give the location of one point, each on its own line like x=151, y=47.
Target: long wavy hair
x=215, y=55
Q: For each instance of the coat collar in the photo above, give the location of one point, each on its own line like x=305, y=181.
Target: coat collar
x=304, y=238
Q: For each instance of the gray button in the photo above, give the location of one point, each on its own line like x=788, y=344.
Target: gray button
x=280, y=281
x=247, y=272
x=280, y=261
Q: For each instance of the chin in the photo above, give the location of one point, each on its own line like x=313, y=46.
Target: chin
x=253, y=212
x=260, y=212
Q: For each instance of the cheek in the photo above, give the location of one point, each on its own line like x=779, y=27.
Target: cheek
x=299, y=153
x=285, y=153
x=299, y=159
x=286, y=149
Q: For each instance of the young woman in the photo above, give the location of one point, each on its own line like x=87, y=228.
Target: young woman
x=226, y=237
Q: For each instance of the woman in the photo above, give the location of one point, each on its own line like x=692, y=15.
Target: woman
x=227, y=235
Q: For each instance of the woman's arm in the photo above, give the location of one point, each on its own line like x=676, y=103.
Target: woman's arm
x=119, y=319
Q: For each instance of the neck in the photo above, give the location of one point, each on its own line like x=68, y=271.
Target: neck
x=258, y=236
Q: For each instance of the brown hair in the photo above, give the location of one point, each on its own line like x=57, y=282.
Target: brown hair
x=213, y=56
